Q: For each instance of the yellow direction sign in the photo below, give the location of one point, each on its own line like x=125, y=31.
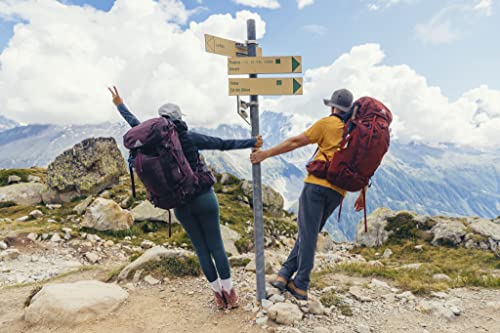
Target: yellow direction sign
x=227, y=47
x=264, y=65
x=265, y=86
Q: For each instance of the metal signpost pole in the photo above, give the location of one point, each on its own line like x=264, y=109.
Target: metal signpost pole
x=257, y=177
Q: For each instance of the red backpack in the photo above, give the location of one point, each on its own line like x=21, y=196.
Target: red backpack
x=366, y=140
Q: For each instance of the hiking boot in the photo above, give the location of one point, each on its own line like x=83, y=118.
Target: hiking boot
x=220, y=301
x=231, y=298
x=299, y=294
x=279, y=283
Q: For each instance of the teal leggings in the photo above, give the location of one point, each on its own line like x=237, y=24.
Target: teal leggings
x=200, y=219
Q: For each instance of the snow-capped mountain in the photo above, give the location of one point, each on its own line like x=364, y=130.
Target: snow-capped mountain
x=6, y=123
x=444, y=179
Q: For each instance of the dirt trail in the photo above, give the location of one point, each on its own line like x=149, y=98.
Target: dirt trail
x=148, y=310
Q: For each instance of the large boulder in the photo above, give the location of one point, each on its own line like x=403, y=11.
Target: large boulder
x=104, y=214
x=448, y=231
x=229, y=236
x=28, y=194
x=272, y=200
x=486, y=228
x=377, y=233
x=74, y=303
x=147, y=212
x=89, y=167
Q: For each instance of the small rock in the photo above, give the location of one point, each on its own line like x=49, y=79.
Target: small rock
x=261, y=321
x=419, y=247
x=277, y=298
x=92, y=257
x=411, y=266
x=109, y=243
x=34, y=179
x=387, y=254
x=82, y=206
x=13, y=179
x=285, y=313
x=9, y=254
x=321, y=330
x=55, y=238
x=439, y=294
x=137, y=275
x=32, y=236
x=359, y=294
x=362, y=328
x=441, y=277
x=375, y=263
x=315, y=307
x=105, y=195
x=3, y=245
x=151, y=280
x=23, y=219
x=53, y=206
x=147, y=244
x=51, y=221
x=266, y=304
x=36, y=214
x=379, y=284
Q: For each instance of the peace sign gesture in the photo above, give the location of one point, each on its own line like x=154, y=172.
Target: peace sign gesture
x=117, y=100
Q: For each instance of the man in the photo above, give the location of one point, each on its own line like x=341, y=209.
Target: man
x=319, y=198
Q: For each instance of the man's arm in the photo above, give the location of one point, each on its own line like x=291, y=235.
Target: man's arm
x=284, y=147
x=205, y=142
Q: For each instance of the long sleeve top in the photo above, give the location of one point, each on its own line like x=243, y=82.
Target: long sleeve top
x=202, y=142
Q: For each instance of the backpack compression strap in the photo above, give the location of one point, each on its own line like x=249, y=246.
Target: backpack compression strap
x=169, y=224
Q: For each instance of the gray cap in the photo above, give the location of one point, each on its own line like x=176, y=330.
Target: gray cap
x=173, y=111
x=341, y=99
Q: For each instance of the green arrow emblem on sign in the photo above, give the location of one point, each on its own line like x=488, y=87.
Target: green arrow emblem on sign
x=295, y=64
x=296, y=86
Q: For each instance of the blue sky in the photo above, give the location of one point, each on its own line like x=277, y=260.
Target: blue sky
x=432, y=62
x=457, y=66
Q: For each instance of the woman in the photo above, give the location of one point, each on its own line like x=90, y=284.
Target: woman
x=200, y=216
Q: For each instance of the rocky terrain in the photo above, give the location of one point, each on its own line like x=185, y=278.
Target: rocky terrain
x=80, y=254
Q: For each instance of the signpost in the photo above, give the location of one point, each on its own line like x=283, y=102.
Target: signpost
x=265, y=86
x=264, y=65
x=227, y=47
x=246, y=58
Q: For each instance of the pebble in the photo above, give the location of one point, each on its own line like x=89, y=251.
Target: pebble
x=23, y=219
x=266, y=304
x=55, y=238
x=151, y=280
x=277, y=298
x=92, y=257
x=261, y=321
x=3, y=245
x=36, y=214
x=32, y=236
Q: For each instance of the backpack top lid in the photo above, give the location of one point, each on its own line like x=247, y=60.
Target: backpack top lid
x=148, y=133
x=369, y=106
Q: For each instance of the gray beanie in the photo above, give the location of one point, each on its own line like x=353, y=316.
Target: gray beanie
x=173, y=111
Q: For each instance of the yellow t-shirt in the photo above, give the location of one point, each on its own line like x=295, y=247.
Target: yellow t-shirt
x=327, y=133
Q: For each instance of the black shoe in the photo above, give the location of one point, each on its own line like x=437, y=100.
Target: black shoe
x=299, y=294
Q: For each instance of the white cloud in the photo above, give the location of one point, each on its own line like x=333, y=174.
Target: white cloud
x=315, y=29
x=381, y=4
x=57, y=66
x=269, y=4
x=449, y=23
x=485, y=6
x=304, y=3
x=419, y=110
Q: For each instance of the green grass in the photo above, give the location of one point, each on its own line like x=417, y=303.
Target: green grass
x=172, y=267
x=465, y=267
x=23, y=173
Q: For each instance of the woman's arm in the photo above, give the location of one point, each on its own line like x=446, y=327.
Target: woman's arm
x=124, y=111
x=205, y=142
x=284, y=147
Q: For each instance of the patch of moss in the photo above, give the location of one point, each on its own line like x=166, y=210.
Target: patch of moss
x=404, y=227
x=331, y=299
x=6, y=204
x=345, y=310
x=173, y=267
x=32, y=294
x=241, y=262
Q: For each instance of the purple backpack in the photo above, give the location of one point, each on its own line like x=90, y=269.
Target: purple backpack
x=161, y=164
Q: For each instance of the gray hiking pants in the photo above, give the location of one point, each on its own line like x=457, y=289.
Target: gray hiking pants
x=316, y=204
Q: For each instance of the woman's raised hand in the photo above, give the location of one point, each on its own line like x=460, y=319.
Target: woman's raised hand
x=117, y=100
